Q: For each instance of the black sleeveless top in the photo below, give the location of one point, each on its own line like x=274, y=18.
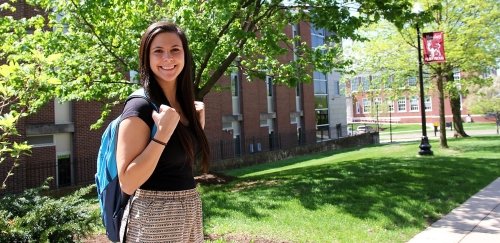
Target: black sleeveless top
x=173, y=171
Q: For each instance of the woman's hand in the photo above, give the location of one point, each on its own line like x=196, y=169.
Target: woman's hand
x=166, y=121
x=200, y=110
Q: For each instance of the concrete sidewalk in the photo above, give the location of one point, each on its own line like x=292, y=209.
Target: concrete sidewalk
x=476, y=220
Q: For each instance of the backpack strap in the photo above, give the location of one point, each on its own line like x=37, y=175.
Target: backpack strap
x=141, y=93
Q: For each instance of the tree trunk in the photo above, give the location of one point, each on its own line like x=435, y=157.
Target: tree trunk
x=442, y=120
x=498, y=121
x=454, y=93
x=457, y=116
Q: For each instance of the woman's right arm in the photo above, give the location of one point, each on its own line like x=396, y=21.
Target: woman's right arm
x=136, y=154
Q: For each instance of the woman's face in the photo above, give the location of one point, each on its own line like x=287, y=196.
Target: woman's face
x=166, y=57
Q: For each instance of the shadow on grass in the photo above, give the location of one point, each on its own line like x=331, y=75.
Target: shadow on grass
x=411, y=191
x=478, y=144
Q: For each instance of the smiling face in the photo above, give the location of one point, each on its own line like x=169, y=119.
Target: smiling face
x=166, y=57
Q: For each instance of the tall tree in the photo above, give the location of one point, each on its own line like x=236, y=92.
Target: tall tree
x=472, y=30
x=471, y=46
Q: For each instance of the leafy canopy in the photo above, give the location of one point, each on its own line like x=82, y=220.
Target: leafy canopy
x=92, y=45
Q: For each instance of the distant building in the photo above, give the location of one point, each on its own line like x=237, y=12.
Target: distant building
x=369, y=104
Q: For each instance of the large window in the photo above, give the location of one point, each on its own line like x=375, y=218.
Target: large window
x=366, y=105
x=358, y=108
x=320, y=83
x=320, y=89
x=322, y=126
x=321, y=117
x=317, y=37
x=414, y=103
x=402, y=104
x=355, y=84
x=366, y=83
x=321, y=101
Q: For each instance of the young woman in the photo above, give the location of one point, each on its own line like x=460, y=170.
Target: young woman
x=158, y=170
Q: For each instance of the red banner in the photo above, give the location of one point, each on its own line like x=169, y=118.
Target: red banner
x=433, y=47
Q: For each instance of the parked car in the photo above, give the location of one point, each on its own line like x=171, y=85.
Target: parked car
x=363, y=129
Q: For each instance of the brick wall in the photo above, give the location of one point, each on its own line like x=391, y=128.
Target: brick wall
x=285, y=103
x=217, y=104
x=86, y=142
x=16, y=182
x=44, y=116
x=308, y=92
x=32, y=171
x=40, y=165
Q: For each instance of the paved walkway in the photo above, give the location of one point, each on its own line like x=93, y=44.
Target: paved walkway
x=476, y=220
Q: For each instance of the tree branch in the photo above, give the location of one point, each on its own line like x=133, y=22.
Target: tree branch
x=103, y=43
x=249, y=25
x=216, y=39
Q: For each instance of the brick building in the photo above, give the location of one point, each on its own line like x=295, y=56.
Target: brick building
x=245, y=118
x=371, y=105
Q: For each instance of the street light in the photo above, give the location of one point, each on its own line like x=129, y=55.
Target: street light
x=425, y=147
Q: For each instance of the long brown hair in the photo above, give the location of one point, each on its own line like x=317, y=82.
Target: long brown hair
x=185, y=90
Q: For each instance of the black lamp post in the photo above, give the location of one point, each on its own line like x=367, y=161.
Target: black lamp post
x=425, y=147
x=390, y=122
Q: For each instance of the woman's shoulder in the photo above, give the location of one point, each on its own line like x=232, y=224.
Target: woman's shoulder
x=138, y=107
x=138, y=104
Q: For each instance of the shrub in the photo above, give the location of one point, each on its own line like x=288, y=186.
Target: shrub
x=32, y=216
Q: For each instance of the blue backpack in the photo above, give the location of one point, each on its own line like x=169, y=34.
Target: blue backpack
x=111, y=198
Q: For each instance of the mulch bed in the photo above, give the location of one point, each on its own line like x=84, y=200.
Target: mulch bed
x=213, y=178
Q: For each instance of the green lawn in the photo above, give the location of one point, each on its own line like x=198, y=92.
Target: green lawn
x=381, y=193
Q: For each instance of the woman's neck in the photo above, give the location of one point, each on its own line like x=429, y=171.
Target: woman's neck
x=170, y=92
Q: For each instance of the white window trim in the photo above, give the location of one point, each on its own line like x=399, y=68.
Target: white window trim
x=399, y=99
x=366, y=105
x=412, y=105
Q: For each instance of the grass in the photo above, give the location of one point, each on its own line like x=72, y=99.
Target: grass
x=381, y=193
